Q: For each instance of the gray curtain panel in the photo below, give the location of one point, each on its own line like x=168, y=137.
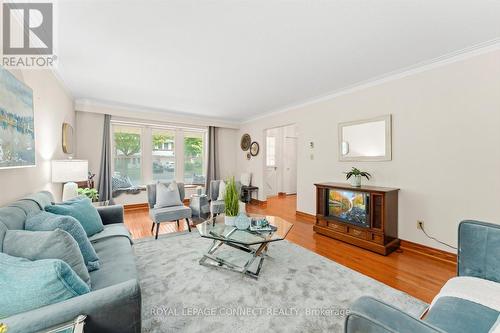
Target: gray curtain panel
x=212, y=163
x=105, y=189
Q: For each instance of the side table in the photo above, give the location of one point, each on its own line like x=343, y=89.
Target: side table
x=246, y=193
x=199, y=206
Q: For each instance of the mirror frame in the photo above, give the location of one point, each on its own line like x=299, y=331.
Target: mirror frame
x=67, y=138
x=388, y=140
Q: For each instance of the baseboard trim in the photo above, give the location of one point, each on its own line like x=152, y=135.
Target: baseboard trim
x=305, y=215
x=258, y=202
x=428, y=251
x=138, y=206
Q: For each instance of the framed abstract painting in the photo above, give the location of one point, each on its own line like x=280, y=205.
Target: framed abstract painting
x=17, y=128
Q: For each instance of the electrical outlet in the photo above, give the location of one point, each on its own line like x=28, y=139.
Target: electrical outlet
x=420, y=224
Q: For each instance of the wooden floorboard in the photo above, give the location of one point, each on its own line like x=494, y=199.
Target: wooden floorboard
x=415, y=274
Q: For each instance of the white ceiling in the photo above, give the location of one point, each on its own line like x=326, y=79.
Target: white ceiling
x=236, y=60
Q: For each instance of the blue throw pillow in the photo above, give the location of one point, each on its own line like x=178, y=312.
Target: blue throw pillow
x=81, y=209
x=45, y=221
x=28, y=285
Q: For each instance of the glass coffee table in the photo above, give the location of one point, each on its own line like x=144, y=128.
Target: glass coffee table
x=252, y=242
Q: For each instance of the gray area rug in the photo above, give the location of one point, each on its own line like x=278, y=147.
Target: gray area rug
x=297, y=291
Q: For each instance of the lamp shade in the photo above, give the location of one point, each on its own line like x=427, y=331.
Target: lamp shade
x=69, y=170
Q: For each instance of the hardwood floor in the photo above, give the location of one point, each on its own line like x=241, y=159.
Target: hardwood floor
x=417, y=275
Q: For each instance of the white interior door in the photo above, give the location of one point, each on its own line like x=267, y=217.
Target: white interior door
x=271, y=170
x=290, y=165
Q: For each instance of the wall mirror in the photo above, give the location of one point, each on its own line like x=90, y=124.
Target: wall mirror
x=366, y=140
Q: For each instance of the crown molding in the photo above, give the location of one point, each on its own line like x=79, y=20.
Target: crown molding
x=150, y=114
x=449, y=58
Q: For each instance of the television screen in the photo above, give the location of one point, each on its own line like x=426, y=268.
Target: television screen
x=349, y=206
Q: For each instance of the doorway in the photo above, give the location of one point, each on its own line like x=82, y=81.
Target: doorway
x=280, y=167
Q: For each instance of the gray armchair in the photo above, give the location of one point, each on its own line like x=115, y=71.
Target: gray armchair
x=217, y=206
x=478, y=256
x=167, y=214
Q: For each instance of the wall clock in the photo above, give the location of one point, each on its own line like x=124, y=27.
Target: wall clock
x=245, y=142
x=254, y=148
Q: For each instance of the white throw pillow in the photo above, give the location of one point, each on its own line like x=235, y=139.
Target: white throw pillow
x=167, y=196
x=222, y=190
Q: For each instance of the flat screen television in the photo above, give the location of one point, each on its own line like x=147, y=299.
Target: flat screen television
x=349, y=206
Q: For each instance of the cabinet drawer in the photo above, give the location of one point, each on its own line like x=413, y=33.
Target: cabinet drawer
x=357, y=233
x=377, y=238
x=337, y=227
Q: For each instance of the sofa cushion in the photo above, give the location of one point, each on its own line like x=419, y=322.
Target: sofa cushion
x=453, y=314
x=13, y=217
x=42, y=198
x=112, y=230
x=47, y=222
x=36, y=245
x=51, y=280
x=30, y=207
x=170, y=213
x=3, y=231
x=80, y=208
x=479, y=240
x=117, y=262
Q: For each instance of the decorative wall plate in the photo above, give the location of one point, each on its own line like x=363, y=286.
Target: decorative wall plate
x=245, y=142
x=249, y=156
x=254, y=148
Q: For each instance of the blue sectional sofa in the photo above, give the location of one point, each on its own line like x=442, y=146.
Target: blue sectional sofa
x=478, y=258
x=114, y=303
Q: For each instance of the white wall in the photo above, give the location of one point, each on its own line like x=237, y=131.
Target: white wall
x=89, y=128
x=446, y=145
x=52, y=106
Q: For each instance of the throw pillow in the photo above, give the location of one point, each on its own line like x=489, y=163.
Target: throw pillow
x=222, y=190
x=47, y=222
x=36, y=245
x=28, y=285
x=121, y=182
x=167, y=195
x=80, y=208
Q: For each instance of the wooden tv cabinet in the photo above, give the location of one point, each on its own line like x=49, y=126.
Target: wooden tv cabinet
x=381, y=236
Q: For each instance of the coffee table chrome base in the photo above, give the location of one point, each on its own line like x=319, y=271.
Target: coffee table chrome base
x=211, y=260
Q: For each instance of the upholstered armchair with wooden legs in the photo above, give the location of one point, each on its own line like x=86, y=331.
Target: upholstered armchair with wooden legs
x=167, y=214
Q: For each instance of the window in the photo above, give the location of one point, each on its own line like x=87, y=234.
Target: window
x=193, y=158
x=151, y=153
x=270, y=151
x=127, y=153
x=163, y=145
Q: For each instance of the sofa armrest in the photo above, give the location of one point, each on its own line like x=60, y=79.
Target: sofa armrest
x=111, y=214
x=478, y=248
x=369, y=315
x=113, y=309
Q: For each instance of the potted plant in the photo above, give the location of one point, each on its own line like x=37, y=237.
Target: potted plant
x=90, y=193
x=231, y=202
x=355, y=176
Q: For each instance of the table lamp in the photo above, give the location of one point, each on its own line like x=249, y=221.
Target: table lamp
x=69, y=172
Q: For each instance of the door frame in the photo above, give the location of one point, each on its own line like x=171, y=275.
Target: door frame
x=264, y=151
